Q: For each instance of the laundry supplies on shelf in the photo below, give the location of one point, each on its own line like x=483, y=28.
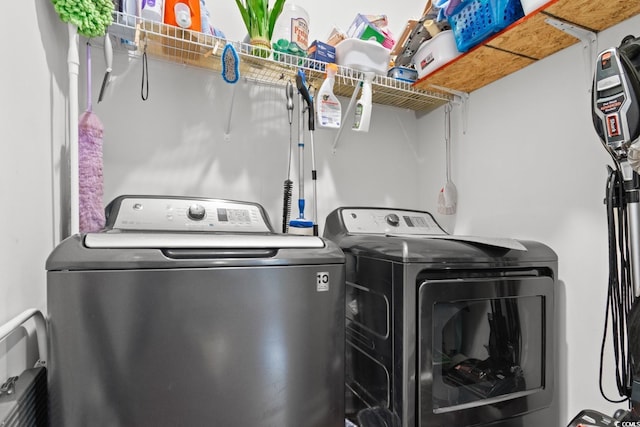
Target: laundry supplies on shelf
x=363, y=106
x=328, y=107
x=363, y=55
x=474, y=21
x=183, y=13
x=153, y=10
x=435, y=52
x=292, y=27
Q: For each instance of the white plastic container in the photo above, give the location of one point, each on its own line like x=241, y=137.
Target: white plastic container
x=435, y=52
x=531, y=5
x=152, y=10
x=131, y=9
x=205, y=18
x=363, y=55
x=328, y=107
x=362, y=117
x=293, y=26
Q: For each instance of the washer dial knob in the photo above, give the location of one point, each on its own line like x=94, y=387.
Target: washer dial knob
x=196, y=212
x=392, y=219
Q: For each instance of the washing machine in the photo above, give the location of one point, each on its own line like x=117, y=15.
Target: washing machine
x=445, y=330
x=194, y=312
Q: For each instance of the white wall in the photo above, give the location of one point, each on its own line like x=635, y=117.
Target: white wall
x=530, y=166
x=174, y=143
x=33, y=83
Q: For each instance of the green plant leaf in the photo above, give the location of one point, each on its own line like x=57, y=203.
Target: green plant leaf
x=274, y=14
x=244, y=13
x=258, y=18
x=258, y=13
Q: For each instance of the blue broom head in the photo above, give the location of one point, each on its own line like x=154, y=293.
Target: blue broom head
x=301, y=223
x=230, y=64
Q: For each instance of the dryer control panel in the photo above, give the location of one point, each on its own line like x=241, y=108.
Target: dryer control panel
x=389, y=221
x=149, y=213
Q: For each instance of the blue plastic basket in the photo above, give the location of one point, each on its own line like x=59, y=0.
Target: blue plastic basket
x=475, y=20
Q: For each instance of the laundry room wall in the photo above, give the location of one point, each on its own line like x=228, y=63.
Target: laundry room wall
x=181, y=142
x=530, y=166
x=33, y=110
x=199, y=136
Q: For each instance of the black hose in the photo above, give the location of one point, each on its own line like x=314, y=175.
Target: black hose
x=620, y=288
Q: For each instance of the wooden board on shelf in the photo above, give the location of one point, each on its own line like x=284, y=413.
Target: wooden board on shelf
x=533, y=38
x=594, y=15
x=475, y=69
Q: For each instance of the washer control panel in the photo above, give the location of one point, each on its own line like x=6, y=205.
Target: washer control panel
x=186, y=214
x=389, y=221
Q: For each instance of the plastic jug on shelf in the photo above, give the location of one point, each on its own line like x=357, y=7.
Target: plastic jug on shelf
x=183, y=13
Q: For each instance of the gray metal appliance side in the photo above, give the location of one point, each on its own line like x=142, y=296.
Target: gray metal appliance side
x=261, y=347
x=72, y=254
x=444, y=252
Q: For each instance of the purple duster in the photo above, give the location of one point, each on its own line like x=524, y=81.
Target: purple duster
x=90, y=133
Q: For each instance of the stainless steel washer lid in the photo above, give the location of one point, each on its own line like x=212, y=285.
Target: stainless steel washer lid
x=199, y=240
x=164, y=232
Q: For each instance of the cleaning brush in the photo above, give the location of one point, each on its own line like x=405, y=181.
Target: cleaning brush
x=288, y=184
x=230, y=61
x=286, y=205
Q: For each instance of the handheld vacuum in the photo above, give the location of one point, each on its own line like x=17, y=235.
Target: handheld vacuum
x=616, y=118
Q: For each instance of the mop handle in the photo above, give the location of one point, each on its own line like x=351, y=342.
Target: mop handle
x=300, y=157
x=315, y=185
x=289, y=94
x=304, y=92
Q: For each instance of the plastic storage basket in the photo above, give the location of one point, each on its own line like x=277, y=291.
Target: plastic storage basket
x=475, y=20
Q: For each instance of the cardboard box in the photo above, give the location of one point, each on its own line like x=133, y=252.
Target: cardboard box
x=321, y=52
x=362, y=28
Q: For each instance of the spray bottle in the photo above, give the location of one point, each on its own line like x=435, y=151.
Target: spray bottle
x=328, y=106
x=363, y=106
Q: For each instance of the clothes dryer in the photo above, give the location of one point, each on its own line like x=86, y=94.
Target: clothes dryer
x=445, y=330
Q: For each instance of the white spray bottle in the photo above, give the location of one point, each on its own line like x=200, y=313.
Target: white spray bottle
x=328, y=107
x=363, y=106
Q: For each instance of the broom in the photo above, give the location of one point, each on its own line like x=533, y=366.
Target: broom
x=448, y=196
x=90, y=133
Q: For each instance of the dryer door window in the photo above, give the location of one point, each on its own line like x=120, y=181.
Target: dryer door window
x=486, y=349
x=483, y=344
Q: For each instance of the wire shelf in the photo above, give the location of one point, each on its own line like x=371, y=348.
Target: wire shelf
x=204, y=51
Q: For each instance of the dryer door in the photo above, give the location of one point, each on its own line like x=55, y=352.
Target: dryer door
x=484, y=349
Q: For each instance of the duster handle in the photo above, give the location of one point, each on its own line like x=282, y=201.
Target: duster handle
x=89, y=98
